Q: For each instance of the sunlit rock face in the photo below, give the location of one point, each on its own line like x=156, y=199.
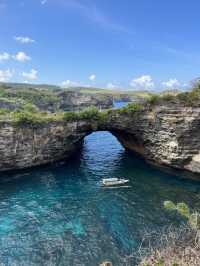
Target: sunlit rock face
x=164, y=135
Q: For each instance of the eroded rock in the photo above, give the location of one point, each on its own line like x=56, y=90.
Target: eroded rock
x=165, y=135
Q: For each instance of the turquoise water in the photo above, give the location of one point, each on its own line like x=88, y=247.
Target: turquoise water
x=59, y=214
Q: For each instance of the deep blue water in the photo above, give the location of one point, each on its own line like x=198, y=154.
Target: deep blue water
x=59, y=214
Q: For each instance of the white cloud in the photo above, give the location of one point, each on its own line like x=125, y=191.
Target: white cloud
x=110, y=85
x=92, y=77
x=144, y=82
x=5, y=75
x=32, y=75
x=22, y=57
x=69, y=83
x=22, y=39
x=171, y=83
x=4, y=57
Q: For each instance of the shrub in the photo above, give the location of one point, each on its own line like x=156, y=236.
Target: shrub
x=134, y=107
x=103, y=116
x=153, y=99
x=183, y=209
x=4, y=111
x=130, y=108
x=91, y=113
x=23, y=118
x=70, y=116
x=30, y=108
x=169, y=205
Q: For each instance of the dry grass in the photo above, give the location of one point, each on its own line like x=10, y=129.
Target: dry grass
x=173, y=247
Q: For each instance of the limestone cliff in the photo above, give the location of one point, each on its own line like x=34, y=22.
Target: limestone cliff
x=72, y=100
x=164, y=134
x=22, y=147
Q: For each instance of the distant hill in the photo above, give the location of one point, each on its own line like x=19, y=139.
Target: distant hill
x=14, y=96
x=53, y=98
x=28, y=85
x=117, y=94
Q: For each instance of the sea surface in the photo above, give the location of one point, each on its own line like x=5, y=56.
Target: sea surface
x=60, y=215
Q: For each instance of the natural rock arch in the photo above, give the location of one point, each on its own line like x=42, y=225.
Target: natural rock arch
x=165, y=135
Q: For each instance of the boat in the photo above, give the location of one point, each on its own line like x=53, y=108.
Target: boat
x=114, y=181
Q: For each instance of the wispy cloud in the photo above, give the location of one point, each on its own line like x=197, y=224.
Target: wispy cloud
x=5, y=75
x=171, y=83
x=145, y=82
x=32, y=75
x=180, y=53
x=69, y=83
x=23, y=39
x=4, y=56
x=94, y=14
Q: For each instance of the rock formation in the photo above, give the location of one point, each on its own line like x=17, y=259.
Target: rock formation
x=164, y=134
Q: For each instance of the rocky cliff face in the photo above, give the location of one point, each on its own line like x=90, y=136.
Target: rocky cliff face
x=22, y=147
x=165, y=135
x=76, y=101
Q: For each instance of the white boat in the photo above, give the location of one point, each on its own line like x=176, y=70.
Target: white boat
x=114, y=181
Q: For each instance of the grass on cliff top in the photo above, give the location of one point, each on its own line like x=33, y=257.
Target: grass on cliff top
x=30, y=115
x=189, y=98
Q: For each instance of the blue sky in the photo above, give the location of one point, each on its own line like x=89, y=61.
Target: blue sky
x=146, y=44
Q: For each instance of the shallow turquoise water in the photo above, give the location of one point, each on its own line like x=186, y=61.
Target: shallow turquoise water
x=59, y=215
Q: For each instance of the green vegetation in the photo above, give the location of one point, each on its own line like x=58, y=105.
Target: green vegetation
x=115, y=94
x=131, y=108
x=49, y=98
x=24, y=105
x=30, y=115
x=193, y=218
x=4, y=112
x=189, y=98
x=91, y=113
x=25, y=95
x=24, y=118
x=70, y=116
x=33, y=96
